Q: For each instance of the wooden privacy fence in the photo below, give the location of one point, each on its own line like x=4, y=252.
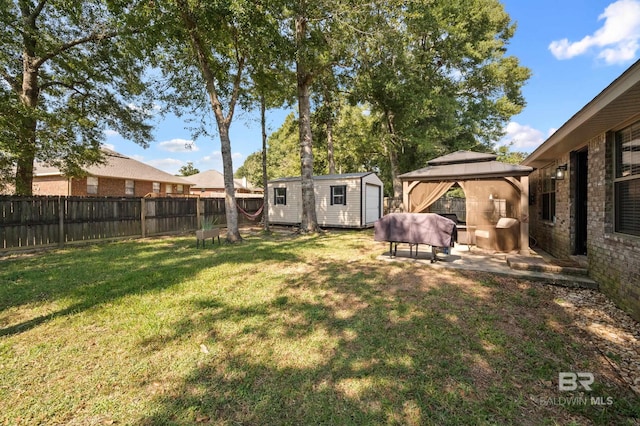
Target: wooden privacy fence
x=32, y=222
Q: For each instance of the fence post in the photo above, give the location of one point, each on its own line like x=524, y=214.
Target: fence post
x=143, y=215
x=199, y=212
x=60, y=221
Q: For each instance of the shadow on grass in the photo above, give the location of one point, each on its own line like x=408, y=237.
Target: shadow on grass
x=75, y=280
x=377, y=344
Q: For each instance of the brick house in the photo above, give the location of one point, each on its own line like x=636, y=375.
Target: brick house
x=211, y=184
x=119, y=176
x=585, y=191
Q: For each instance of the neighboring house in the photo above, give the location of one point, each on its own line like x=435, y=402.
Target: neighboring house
x=211, y=184
x=119, y=176
x=585, y=193
x=352, y=200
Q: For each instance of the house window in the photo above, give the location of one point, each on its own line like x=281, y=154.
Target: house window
x=179, y=189
x=280, y=196
x=129, y=187
x=92, y=185
x=169, y=188
x=339, y=195
x=156, y=187
x=548, y=194
x=627, y=180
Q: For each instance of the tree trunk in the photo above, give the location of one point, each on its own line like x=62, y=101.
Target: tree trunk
x=393, y=157
x=330, y=159
x=231, y=209
x=309, y=221
x=199, y=46
x=265, y=201
x=29, y=96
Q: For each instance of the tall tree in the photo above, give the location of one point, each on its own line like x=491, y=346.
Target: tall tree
x=304, y=78
x=208, y=46
x=270, y=74
x=69, y=71
x=437, y=74
x=324, y=34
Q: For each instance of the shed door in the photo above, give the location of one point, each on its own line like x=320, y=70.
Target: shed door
x=372, y=203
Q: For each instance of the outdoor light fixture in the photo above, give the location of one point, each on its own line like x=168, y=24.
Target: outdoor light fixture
x=560, y=171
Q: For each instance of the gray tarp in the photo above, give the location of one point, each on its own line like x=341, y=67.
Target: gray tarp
x=415, y=228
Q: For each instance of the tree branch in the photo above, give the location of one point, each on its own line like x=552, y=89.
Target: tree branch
x=13, y=82
x=36, y=12
x=94, y=37
x=70, y=86
x=205, y=67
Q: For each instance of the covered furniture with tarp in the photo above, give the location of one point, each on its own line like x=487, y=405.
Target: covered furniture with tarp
x=493, y=191
x=414, y=229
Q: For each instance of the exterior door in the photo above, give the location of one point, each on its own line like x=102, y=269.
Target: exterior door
x=580, y=161
x=372, y=203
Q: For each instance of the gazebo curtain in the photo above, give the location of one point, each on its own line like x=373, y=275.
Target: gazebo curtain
x=426, y=193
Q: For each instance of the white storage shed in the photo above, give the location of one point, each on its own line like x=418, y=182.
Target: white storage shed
x=351, y=200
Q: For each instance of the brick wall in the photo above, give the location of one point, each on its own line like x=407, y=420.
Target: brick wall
x=109, y=187
x=613, y=259
x=50, y=185
x=553, y=236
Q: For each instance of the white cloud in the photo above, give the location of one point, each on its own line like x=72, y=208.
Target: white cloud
x=522, y=137
x=217, y=156
x=169, y=165
x=616, y=41
x=111, y=133
x=110, y=146
x=214, y=161
x=178, y=145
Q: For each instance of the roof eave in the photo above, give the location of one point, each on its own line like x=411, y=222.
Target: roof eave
x=603, y=113
x=456, y=178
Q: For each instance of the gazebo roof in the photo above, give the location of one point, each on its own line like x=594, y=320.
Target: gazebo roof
x=466, y=165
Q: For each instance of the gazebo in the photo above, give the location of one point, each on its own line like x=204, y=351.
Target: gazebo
x=494, y=190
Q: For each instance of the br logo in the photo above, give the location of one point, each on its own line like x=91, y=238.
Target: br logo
x=568, y=381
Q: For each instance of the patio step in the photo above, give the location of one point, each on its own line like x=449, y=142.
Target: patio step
x=538, y=264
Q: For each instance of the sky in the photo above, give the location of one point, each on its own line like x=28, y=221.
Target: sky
x=574, y=49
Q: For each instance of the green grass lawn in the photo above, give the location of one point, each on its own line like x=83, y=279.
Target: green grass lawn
x=285, y=330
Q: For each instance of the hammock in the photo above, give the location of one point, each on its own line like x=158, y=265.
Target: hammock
x=251, y=216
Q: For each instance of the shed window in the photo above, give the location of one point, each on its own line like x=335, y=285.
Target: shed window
x=129, y=187
x=280, y=196
x=548, y=194
x=627, y=180
x=92, y=185
x=339, y=195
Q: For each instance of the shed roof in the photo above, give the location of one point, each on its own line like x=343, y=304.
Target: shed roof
x=466, y=165
x=118, y=166
x=324, y=177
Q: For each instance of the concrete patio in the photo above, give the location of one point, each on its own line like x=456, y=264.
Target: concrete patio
x=538, y=266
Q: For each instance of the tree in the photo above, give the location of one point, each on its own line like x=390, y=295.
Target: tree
x=270, y=75
x=325, y=34
x=213, y=42
x=507, y=156
x=69, y=71
x=188, y=170
x=437, y=76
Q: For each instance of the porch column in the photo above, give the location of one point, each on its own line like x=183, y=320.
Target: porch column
x=524, y=216
x=405, y=196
